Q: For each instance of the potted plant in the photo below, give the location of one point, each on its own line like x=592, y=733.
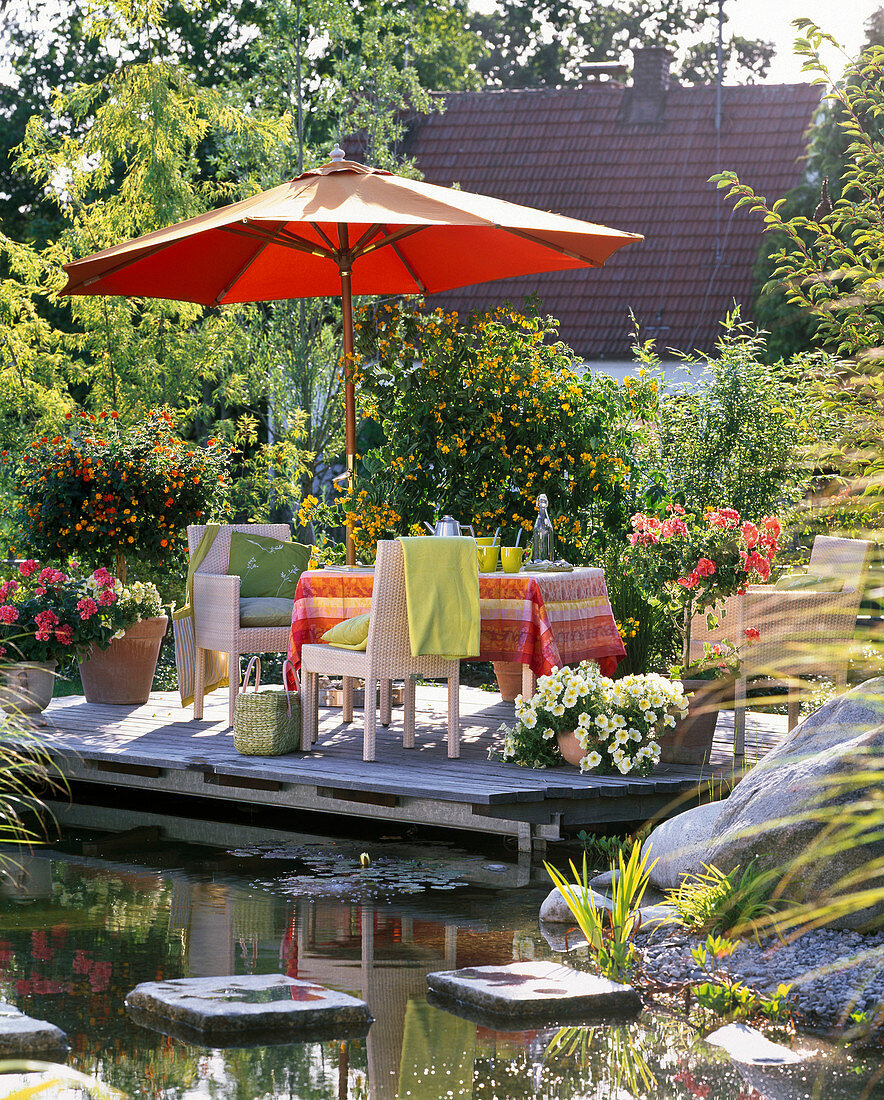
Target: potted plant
x=110, y=493
x=48, y=614
x=689, y=564
x=580, y=717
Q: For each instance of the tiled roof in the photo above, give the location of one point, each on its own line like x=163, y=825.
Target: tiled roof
x=569, y=151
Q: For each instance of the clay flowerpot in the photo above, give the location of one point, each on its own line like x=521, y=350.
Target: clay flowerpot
x=27, y=686
x=509, y=679
x=123, y=673
x=690, y=741
x=570, y=747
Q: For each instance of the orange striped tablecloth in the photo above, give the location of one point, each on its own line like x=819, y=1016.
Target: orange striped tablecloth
x=534, y=619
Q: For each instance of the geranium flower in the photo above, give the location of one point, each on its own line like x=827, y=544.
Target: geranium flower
x=87, y=607
x=750, y=533
x=46, y=622
x=65, y=634
x=690, y=581
x=27, y=567
x=106, y=597
x=8, y=614
x=751, y=633
x=705, y=567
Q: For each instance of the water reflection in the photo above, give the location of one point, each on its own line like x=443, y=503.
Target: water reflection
x=77, y=934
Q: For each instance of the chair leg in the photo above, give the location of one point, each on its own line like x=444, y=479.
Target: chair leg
x=794, y=705
x=234, y=674
x=408, y=735
x=454, y=715
x=740, y=721
x=371, y=720
x=347, y=704
x=386, y=701
x=199, y=683
x=309, y=709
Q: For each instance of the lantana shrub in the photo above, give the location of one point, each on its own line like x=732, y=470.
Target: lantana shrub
x=108, y=493
x=693, y=563
x=482, y=414
x=618, y=723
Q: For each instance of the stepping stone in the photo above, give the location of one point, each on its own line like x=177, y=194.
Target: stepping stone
x=22, y=1036
x=540, y=992
x=745, y=1044
x=246, y=1009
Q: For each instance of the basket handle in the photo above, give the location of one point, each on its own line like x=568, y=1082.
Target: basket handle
x=285, y=683
x=249, y=667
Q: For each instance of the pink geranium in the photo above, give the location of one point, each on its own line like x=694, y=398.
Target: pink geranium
x=51, y=577
x=7, y=589
x=750, y=534
x=87, y=607
x=705, y=567
x=106, y=597
x=46, y=622
x=103, y=578
x=65, y=634
x=8, y=613
x=27, y=567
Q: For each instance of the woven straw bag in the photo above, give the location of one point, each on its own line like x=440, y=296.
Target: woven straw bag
x=268, y=722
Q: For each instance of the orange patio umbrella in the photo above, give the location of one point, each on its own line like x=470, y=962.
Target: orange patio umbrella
x=344, y=229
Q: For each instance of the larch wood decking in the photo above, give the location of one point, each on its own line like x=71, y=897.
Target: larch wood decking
x=157, y=747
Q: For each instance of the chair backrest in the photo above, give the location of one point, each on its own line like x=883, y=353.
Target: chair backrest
x=844, y=558
x=218, y=557
x=388, y=625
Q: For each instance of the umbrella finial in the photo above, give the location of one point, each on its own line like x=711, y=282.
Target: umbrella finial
x=337, y=154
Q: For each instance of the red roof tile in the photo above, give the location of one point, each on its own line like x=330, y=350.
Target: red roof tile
x=569, y=151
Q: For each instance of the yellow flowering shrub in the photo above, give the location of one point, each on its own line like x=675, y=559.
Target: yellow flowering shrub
x=480, y=415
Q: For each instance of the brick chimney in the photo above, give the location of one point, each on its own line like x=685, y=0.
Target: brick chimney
x=646, y=100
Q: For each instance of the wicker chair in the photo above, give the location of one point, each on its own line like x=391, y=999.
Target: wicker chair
x=801, y=633
x=216, y=610
x=387, y=656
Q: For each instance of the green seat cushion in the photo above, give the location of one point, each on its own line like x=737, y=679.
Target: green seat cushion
x=809, y=582
x=266, y=566
x=350, y=634
x=265, y=611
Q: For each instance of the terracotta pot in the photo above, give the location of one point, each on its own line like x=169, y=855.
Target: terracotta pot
x=27, y=686
x=509, y=679
x=570, y=747
x=123, y=673
x=690, y=742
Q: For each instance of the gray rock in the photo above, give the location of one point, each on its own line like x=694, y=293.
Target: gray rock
x=783, y=805
x=561, y=938
x=605, y=880
x=654, y=917
x=535, y=991
x=230, y=1010
x=22, y=1036
x=745, y=1044
x=555, y=909
x=680, y=845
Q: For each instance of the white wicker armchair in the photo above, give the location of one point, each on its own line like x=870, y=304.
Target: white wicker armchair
x=801, y=633
x=387, y=657
x=216, y=610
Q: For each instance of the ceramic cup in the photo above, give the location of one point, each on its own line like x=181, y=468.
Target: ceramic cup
x=488, y=558
x=490, y=541
x=511, y=558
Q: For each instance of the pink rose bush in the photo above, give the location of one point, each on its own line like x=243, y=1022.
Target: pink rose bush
x=51, y=614
x=692, y=564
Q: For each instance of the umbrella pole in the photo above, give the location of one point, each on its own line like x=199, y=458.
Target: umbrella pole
x=349, y=399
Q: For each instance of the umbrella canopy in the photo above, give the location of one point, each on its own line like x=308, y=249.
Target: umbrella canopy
x=344, y=229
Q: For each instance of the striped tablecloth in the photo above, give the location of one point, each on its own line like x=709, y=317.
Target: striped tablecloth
x=539, y=620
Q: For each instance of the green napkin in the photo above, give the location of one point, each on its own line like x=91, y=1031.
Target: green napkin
x=442, y=589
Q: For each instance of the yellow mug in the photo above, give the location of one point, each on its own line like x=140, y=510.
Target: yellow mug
x=491, y=541
x=511, y=558
x=488, y=558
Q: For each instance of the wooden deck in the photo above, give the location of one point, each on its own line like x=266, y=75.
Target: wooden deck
x=157, y=747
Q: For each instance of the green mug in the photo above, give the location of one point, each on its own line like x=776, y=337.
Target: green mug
x=488, y=558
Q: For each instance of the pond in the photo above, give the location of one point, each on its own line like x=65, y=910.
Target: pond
x=84, y=922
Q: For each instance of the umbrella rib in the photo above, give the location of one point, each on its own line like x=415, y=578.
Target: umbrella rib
x=120, y=266
x=366, y=237
x=392, y=238
x=255, y=233
x=535, y=239
x=418, y=281
x=322, y=233
x=239, y=274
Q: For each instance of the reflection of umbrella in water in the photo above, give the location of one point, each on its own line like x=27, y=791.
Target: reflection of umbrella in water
x=344, y=229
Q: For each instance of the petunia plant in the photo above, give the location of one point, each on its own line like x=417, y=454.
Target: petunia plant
x=692, y=564
x=108, y=493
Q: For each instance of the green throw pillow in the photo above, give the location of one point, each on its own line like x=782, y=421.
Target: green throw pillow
x=809, y=582
x=265, y=611
x=266, y=566
x=350, y=634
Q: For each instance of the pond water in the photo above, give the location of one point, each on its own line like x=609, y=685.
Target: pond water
x=84, y=922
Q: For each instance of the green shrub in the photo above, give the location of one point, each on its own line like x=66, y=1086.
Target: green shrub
x=725, y=904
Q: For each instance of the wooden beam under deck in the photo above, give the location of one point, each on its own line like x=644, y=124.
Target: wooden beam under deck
x=156, y=747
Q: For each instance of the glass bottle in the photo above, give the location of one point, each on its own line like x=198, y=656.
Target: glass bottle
x=543, y=545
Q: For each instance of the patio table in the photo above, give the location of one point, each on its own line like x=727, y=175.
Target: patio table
x=538, y=620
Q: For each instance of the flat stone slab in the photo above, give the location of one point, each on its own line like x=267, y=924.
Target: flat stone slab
x=745, y=1044
x=536, y=992
x=246, y=1008
x=22, y=1035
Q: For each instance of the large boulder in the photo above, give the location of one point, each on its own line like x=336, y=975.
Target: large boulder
x=679, y=845
x=813, y=808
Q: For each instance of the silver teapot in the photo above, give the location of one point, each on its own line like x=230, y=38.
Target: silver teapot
x=448, y=527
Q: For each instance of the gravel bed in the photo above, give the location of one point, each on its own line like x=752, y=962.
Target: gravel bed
x=832, y=972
